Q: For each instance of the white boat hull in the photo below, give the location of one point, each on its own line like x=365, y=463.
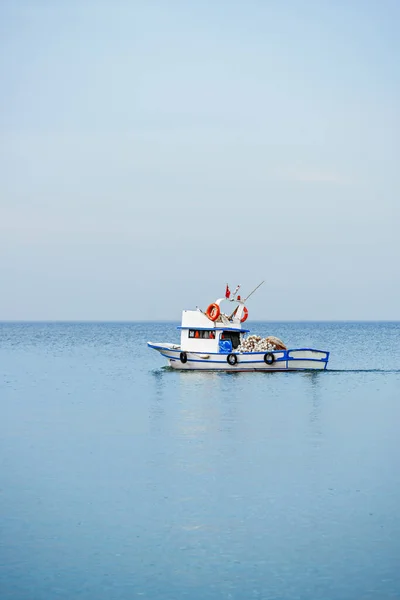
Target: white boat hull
x=299, y=359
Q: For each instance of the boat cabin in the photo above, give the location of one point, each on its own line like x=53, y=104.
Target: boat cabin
x=200, y=334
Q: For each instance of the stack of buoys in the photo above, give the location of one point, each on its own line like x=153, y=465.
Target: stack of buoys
x=255, y=343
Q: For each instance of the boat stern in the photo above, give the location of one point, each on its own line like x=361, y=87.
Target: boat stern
x=307, y=358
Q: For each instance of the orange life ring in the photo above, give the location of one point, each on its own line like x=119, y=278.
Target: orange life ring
x=213, y=311
x=244, y=315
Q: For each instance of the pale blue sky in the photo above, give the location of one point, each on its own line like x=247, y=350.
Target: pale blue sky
x=152, y=151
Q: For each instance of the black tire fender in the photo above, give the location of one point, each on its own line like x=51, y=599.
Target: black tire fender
x=183, y=357
x=269, y=358
x=232, y=359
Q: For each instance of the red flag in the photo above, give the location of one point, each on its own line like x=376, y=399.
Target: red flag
x=227, y=292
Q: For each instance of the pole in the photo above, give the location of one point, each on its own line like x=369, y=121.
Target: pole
x=255, y=289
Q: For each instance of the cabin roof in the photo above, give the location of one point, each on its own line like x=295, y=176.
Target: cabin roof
x=214, y=328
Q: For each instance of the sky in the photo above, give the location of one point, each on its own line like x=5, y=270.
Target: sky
x=152, y=151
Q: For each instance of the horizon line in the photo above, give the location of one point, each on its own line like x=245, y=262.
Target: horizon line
x=70, y=321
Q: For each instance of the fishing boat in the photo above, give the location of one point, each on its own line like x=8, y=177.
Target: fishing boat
x=214, y=341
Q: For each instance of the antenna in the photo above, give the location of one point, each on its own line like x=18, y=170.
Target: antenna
x=255, y=289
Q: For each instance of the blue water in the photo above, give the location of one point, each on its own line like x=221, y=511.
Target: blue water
x=122, y=479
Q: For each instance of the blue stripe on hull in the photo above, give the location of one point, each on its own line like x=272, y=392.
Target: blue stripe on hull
x=283, y=361
x=285, y=352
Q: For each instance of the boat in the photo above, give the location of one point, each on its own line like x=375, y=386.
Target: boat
x=214, y=341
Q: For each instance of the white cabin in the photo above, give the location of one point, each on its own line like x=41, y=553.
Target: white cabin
x=201, y=334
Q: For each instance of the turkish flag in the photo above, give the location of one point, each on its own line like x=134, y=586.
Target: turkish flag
x=227, y=292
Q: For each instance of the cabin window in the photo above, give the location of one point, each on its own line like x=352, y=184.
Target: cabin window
x=201, y=334
x=233, y=336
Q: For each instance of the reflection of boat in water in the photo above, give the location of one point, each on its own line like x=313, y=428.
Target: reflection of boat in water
x=212, y=340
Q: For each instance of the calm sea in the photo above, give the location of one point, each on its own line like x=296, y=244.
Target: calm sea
x=121, y=479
